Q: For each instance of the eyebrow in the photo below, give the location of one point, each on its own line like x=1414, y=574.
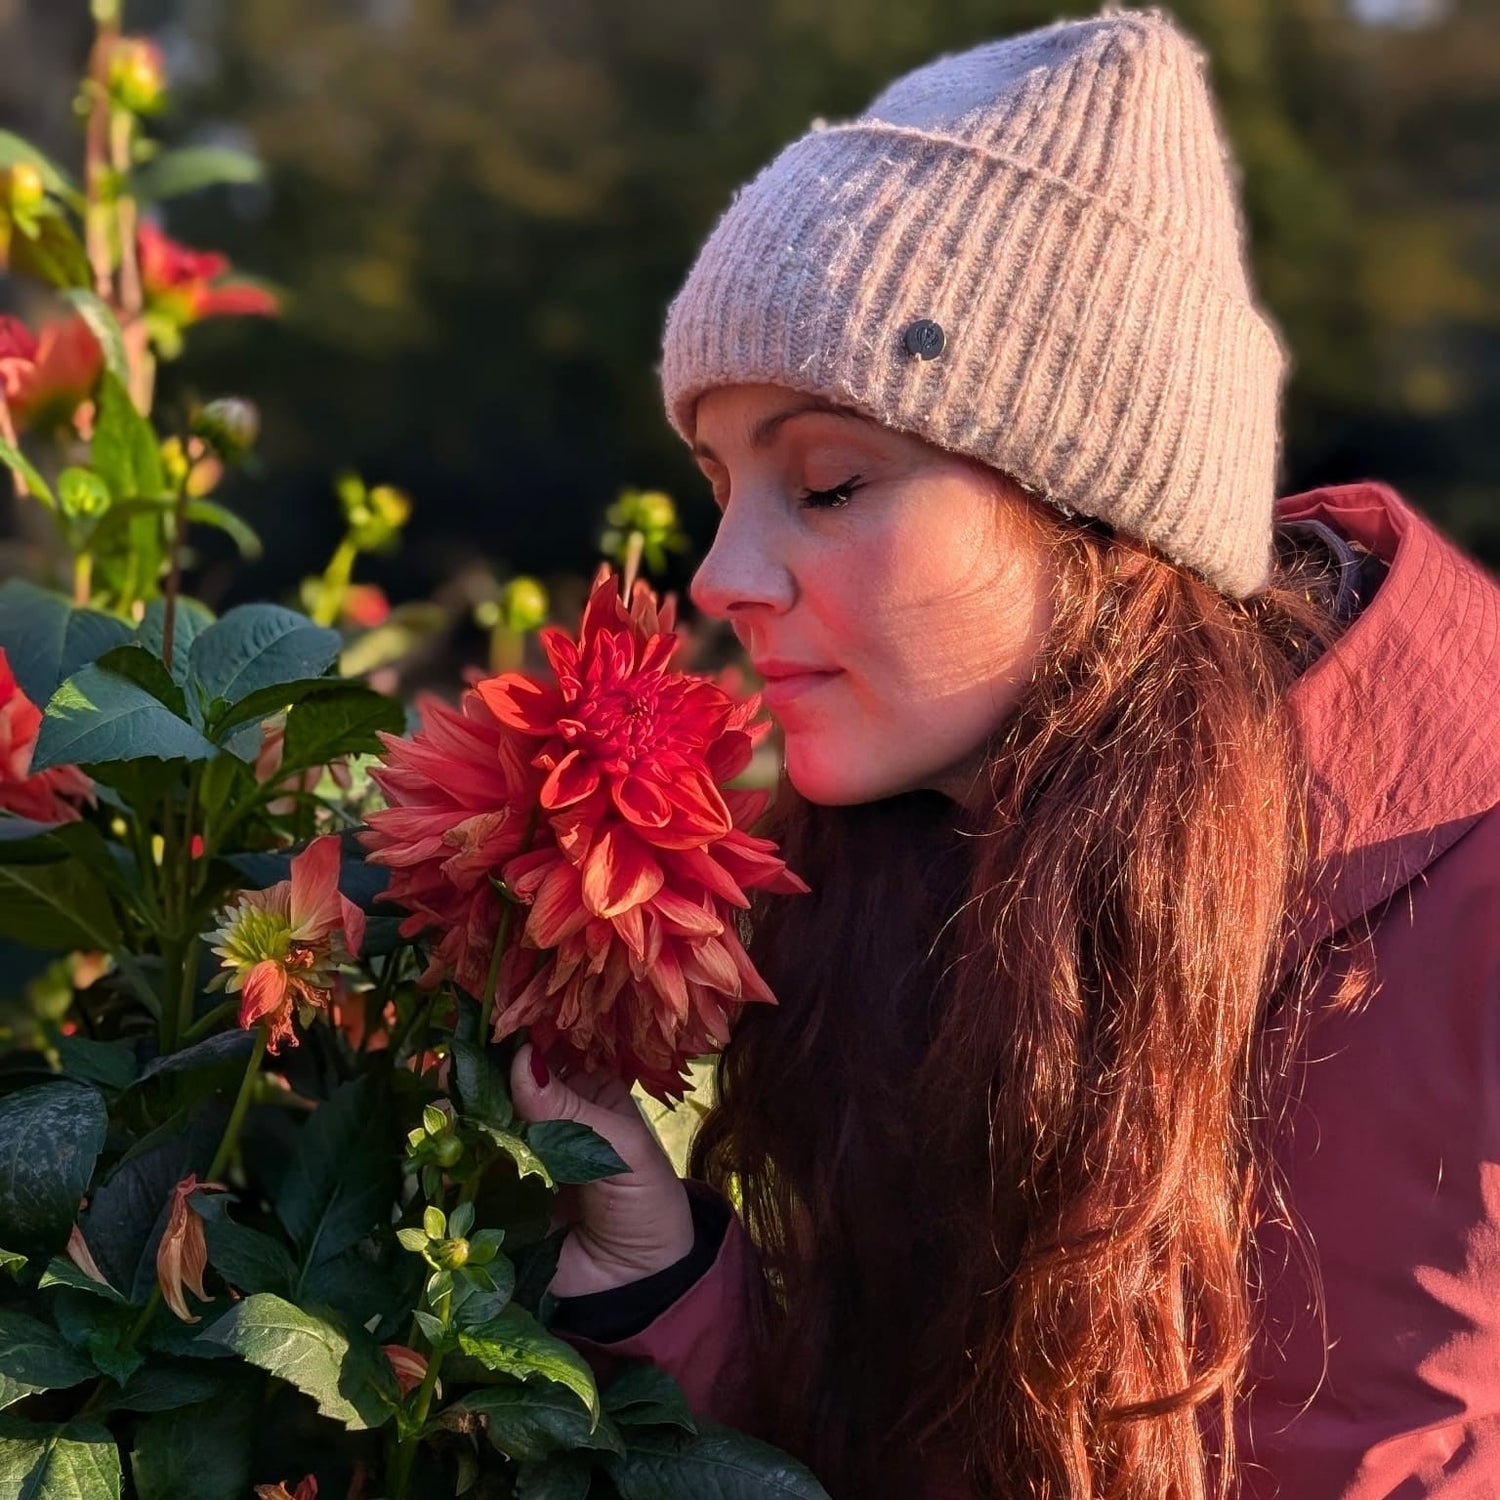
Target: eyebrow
x=765, y=430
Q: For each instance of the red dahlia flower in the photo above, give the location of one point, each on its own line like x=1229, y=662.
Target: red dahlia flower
x=48, y=796
x=48, y=377
x=629, y=961
x=184, y=285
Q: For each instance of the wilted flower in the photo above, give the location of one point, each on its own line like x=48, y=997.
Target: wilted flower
x=409, y=1366
x=307, y=1490
x=281, y=946
x=48, y=377
x=82, y=1257
x=47, y=795
x=635, y=858
x=183, y=285
x=182, y=1256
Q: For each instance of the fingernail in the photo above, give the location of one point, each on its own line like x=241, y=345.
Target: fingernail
x=539, y=1069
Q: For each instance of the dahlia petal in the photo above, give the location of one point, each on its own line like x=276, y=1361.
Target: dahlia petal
x=572, y=779
x=620, y=872
x=729, y=755
x=315, y=890
x=688, y=918
x=557, y=910
x=521, y=702
x=666, y=978
x=710, y=963
x=354, y=927
x=641, y=803
x=699, y=864
x=745, y=807
x=632, y=930
x=752, y=986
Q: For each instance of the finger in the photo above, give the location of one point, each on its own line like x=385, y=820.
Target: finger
x=539, y=1095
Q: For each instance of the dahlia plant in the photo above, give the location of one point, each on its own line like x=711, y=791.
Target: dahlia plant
x=268, y=1222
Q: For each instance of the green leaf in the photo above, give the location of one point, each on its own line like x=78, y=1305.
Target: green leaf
x=125, y=451
x=109, y=1064
x=62, y=1272
x=11, y=1261
x=61, y=905
x=95, y=311
x=345, y=1372
x=190, y=168
x=266, y=703
x=168, y=1385
x=343, y=1175
x=99, y=1329
x=564, y=1476
x=482, y=1090
x=190, y=620
x=50, y=1137
x=255, y=646
x=146, y=670
x=572, y=1152
x=15, y=149
x=13, y=458
x=97, y=716
x=536, y=1265
x=35, y=1357
x=344, y=720
x=247, y=1259
x=241, y=533
x=718, y=1464
x=514, y=1343
x=46, y=639
x=204, y=1451
x=528, y=1422
x=76, y=1462
x=644, y=1396
x=528, y=1163
x=55, y=255
x=177, y=1081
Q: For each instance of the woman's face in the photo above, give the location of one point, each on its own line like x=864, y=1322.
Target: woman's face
x=894, y=596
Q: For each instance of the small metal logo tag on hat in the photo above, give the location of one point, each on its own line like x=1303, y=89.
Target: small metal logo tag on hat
x=925, y=339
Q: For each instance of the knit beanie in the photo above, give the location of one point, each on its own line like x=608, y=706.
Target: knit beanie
x=1031, y=253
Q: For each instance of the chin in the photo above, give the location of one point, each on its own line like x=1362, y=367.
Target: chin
x=831, y=779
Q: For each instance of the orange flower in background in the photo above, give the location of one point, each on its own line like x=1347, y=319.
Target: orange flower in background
x=48, y=796
x=182, y=1256
x=281, y=947
x=184, y=285
x=49, y=377
x=461, y=797
x=364, y=606
x=636, y=860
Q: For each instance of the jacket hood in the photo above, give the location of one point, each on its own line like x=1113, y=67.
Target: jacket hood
x=1400, y=720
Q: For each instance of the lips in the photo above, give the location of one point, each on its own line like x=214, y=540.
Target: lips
x=786, y=681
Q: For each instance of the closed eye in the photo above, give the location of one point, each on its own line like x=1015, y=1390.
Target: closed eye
x=832, y=499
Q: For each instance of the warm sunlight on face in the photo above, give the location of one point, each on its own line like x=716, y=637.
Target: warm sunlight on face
x=891, y=594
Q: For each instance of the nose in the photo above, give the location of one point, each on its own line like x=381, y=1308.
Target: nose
x=746, y=569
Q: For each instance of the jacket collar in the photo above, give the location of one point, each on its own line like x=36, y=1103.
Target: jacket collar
x=1400, y=720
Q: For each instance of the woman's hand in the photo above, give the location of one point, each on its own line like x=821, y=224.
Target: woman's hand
x=625, y=1227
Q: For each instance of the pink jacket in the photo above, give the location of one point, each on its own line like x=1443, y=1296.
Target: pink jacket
x=1393, y=1158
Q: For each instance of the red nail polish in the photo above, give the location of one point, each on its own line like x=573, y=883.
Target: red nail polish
x=539, y=1069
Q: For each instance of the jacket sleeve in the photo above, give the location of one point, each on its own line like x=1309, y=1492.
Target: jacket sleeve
x=700, y=1337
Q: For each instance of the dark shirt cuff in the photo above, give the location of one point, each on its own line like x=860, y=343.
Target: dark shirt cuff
x=624, y=1311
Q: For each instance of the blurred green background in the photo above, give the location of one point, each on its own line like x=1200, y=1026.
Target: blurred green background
x=478, y=210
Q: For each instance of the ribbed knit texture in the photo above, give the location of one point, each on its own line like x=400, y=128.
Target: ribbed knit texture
x=1064, y=204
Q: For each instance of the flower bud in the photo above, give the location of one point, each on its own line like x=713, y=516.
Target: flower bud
x=230, y=426
x=523, y=605
x=451, y=1254
x=446, y=1150
x=25, y=192
x=137, y=75
x=82, y=495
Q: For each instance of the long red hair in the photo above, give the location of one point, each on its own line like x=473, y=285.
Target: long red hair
x=1004, y=1141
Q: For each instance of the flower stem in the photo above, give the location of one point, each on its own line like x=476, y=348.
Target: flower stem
x=635, y=545
x=487, y=1000
x=206, y=1023
x=241, y=1104
x=334, y=584
x=406, y=1452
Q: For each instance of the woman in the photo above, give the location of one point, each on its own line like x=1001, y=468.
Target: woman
x=1130, y=1122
